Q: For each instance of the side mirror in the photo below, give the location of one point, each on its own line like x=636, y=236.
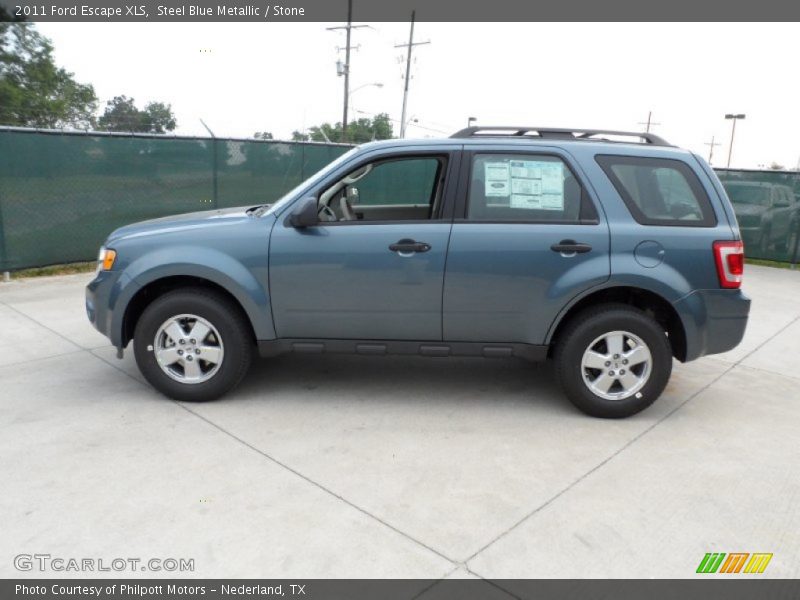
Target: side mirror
x=305, y=215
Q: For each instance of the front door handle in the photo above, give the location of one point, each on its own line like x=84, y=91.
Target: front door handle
x=408, y=246
x=571, y=247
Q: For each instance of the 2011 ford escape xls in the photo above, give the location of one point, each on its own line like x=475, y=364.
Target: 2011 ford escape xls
x=609, y=252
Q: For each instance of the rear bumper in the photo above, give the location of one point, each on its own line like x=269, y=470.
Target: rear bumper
x=714, y=320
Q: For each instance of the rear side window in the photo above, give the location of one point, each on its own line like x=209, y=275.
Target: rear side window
x=526, y=188
x=659, y=191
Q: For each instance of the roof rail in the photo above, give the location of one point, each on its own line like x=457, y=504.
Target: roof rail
x=555, y=132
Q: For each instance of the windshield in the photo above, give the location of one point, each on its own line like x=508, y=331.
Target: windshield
x=288, y=196
x=748, y=194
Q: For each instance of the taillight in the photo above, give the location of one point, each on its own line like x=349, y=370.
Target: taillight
x=729, y=257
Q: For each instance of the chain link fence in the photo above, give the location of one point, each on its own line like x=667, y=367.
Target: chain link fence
x=767, y=206
x=62, y=193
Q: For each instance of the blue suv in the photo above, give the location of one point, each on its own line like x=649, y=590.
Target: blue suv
x=608, y=252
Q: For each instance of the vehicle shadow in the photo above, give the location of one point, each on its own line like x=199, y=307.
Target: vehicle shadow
x=406, y=379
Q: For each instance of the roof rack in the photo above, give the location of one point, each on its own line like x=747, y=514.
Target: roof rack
x=555, y=132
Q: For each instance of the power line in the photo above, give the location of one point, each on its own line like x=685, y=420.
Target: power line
x=414, y=124
x=649, y=122
x=711, y=145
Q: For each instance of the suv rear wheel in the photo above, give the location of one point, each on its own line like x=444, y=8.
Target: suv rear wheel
x=613, y=361
x=193, y=344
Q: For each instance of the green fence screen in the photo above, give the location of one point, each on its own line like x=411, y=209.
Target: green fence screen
x=62, y=193
x=767, y=206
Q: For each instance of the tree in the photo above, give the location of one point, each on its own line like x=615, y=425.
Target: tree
x=34, y=92
x=298, y=136
x=158, y=117
x=359, y=131
x=263, y=135
x=121, y=114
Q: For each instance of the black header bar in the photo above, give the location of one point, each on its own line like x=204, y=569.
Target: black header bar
x=400, y=10
x=710, y=587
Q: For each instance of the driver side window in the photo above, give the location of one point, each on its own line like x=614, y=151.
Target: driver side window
x=399, y=189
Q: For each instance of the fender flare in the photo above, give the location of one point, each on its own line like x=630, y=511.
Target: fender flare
x=634, y=281
x=227, y=272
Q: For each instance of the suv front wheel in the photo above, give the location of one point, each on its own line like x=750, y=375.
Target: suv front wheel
x=613, y=361
x=193, y=344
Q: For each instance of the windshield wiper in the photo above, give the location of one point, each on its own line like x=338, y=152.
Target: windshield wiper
x=259, y=210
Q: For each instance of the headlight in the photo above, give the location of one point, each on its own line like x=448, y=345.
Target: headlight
x=105, y=259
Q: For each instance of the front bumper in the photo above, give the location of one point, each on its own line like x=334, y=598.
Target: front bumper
x=102, y=295
x=714, y=320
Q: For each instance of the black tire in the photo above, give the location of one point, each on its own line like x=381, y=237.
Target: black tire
x=593, y=323
x=223, y=315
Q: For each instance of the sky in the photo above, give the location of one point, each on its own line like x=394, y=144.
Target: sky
x=279, y=77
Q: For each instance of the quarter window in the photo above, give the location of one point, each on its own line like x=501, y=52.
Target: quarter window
x=659, y=191
x=526, y=188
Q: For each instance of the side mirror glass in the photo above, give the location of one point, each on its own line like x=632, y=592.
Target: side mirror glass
x=305, y=215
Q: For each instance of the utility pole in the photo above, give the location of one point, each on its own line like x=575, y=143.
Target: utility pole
x=711, y=145
x=345, y=69
x=214, y=157
x=649, y=122
x=409, y=47
x=734, y=118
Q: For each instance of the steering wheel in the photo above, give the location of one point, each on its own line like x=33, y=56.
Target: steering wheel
x=328, y=214
x=348, y=214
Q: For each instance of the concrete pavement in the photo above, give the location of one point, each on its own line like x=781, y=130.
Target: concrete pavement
x=339, y=466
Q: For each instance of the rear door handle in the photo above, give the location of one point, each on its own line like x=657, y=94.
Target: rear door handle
x=571, y=247
x=408, y=246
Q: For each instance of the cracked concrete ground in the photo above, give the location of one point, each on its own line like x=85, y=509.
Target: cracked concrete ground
x=339, y=466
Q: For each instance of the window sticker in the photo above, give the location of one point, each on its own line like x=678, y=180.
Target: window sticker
x=525, y=169
x=496, y=179
x=523, y=201
x=552, y=202
x=553, y=179
x=529, y=187
x=537, y=184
